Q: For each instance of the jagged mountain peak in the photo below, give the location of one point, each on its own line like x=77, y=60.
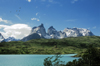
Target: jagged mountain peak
x=34, y=27
x=39, y=30
x=41, y=25
x=51, y=27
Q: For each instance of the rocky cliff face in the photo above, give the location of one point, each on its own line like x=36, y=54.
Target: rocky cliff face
x=55, y=34
x=39, y=32
x=36, y=33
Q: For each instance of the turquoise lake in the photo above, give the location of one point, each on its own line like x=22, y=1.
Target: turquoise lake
x=30, y=60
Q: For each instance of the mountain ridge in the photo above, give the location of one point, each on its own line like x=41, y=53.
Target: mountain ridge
x=53, y=33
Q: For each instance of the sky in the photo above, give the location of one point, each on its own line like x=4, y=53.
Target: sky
x=18, y=17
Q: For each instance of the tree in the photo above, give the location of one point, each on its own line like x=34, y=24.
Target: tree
x=91, y=56
x=56, y=62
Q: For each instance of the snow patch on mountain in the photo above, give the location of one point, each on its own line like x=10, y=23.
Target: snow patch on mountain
x=39, y=30
x=75, y=32
x=11, y=39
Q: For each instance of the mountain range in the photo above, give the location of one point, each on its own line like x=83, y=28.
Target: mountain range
x=11, y=39
x=2, y=39
x=40, y=32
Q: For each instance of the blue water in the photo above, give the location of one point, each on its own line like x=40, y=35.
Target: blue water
x=29, y=60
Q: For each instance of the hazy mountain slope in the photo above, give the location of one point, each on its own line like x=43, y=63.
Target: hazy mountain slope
x=31, y=36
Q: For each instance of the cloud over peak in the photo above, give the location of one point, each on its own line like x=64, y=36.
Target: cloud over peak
x=17, y=30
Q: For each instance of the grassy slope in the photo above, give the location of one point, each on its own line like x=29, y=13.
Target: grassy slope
x=50, y=46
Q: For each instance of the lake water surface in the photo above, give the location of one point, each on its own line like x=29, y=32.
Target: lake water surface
x=30, y=60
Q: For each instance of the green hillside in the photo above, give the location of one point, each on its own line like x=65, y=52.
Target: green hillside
x=50, y=46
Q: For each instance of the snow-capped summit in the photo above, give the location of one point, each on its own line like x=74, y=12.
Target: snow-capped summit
x=11, y=39
x=55, y=34
x=52, y=30
x=62, y=35
x=41, y=25
x=1, y=37
x=75, y=32
x=39, y=30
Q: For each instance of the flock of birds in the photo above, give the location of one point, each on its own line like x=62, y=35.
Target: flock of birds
x=17, y=10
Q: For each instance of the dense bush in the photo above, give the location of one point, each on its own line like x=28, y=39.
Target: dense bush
x=90, y=58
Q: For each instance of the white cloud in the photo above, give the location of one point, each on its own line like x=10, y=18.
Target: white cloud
x=94, y=27
x=36, y=14
x=17, y=30
x=5, y=21
x=73, y=1
x=18, y=17
x=35, y=19
x=29, y=0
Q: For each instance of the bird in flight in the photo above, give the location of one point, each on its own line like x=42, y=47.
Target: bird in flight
x=19, y=7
